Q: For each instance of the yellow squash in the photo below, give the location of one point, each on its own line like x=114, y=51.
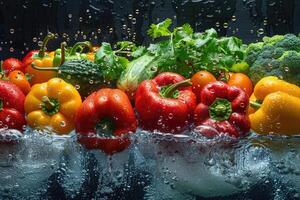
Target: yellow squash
x=52, y=104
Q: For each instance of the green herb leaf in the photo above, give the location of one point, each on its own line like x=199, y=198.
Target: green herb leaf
x=160, y=29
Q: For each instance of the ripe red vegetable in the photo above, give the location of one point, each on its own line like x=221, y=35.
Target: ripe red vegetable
x=12, y=115
x=28, y=59
x=165, y=103
x=223, y=107
x=12, y=64
x=103, y=118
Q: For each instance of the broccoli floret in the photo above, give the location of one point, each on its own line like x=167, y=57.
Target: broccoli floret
x=290, y=61
x=253, y=51
x=278, y=52
x=277, y=56
x=289, y=42
x=272, y=40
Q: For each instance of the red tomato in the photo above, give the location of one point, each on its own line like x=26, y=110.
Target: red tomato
x=12, y=64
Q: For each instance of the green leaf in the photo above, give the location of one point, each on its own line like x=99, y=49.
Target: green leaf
x=125, y=45
x=105, y=50
x=160, y=29
x=188, y=29
x=110, y=64
x=139, y=51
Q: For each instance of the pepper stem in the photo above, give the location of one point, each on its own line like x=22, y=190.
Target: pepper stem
x=63, y=52
x=44, y=68
x=1, y=69
x=220, y=109
x=1, y=105
x=105, y=128
x=255, y=105
x=169, y=91
x=50, y=106
x=50, y=36
x=81, y=45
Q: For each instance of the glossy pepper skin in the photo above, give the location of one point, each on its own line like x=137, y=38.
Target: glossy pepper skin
x=12, y=114
x=52, y=104
x=168, y=113
x=271, y=84
x=279, y=112
x=39, y=58
x=224, y=108
x=106, y=107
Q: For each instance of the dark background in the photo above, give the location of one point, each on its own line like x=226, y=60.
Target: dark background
x=23, y=23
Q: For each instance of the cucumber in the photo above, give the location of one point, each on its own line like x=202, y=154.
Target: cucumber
x=85, y=75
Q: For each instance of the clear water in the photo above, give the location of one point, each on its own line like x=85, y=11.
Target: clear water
x=155, y=166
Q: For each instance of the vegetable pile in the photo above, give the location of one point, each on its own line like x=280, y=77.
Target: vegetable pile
x=181, y=80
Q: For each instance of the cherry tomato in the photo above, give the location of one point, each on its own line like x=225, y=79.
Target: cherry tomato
x=242, y=81
x=19, y=79
x=201, y=79
x=12, y=64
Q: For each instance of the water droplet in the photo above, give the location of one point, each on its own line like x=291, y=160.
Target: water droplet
x=260, y=31
x=233, y=18
x=62, y=123
x=286, y=69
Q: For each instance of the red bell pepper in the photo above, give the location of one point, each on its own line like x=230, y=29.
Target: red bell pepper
x=224, y=108
x=28, y=59
x=166, y=103
x=103, y=120
x=11, y=64
x=12, y=114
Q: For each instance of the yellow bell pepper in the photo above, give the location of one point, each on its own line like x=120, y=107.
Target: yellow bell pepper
x=279, y=112
x=52, y=104
x=40, y=59
x=41, y=76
